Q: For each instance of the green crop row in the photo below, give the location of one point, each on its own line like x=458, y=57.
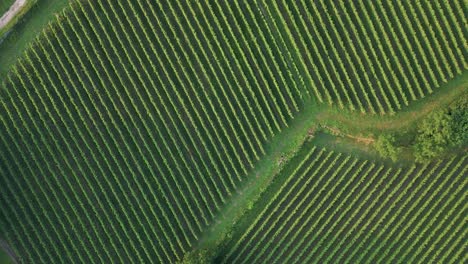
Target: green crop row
x=142, y=122
x=373, y=56
x=341, y=209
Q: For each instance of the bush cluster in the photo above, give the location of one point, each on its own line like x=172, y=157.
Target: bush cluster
x=441, y=130
x=386, y=147
x=435, y=135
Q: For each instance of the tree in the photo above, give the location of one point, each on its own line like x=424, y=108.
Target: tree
x=434, y=135
x=385, y=146
x=441, y=130
x=459, y=115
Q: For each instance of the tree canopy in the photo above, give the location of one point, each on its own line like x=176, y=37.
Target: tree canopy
x=441, y=130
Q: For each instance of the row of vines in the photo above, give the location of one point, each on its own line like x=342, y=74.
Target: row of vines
x=373, y=56
x=128, y=124
x=334, y=208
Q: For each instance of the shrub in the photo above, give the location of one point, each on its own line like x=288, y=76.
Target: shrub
x=459, y=124
x=385, y=146
x=199, y=256
x=441, y=130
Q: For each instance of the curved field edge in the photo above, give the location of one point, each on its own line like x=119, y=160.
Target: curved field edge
x=284, y=147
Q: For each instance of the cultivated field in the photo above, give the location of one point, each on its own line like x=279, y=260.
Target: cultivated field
x=373, y=56
x=128, y=127
x=154, y=131
x=335, y=208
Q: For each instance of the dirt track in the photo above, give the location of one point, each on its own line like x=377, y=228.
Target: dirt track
x=11, y=13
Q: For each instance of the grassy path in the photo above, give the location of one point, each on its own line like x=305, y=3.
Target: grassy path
x=278, y=152
x=284, y=146
x=356, y=123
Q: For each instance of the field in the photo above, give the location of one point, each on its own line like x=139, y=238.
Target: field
x=139, y=131
x=329, y=207
x=101, y=132
x=413, y=53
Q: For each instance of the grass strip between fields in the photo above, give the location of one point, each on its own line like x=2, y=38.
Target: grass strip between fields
x=280, y=150
x=284, y=146
x=405, y=119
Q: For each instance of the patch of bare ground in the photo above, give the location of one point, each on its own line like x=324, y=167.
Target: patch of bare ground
x=360, y=139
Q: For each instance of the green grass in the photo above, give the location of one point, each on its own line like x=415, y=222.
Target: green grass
x=5, y=259
x=406, y=119
x=26, y=31
x=279, y=151
x=352, y=147
x=8, y=27
x=5, y=5
x=248, y=214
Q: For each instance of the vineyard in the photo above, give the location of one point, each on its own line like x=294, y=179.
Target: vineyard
x=335, y=208
x=374, y=56
x=127, y=127
x=161, y=139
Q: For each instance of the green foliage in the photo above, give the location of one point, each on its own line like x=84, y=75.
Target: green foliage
x=200, y=256
x=385, y=146
x=434, y=134
x=459, y=125
x=134, y=126
x=441, y=130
